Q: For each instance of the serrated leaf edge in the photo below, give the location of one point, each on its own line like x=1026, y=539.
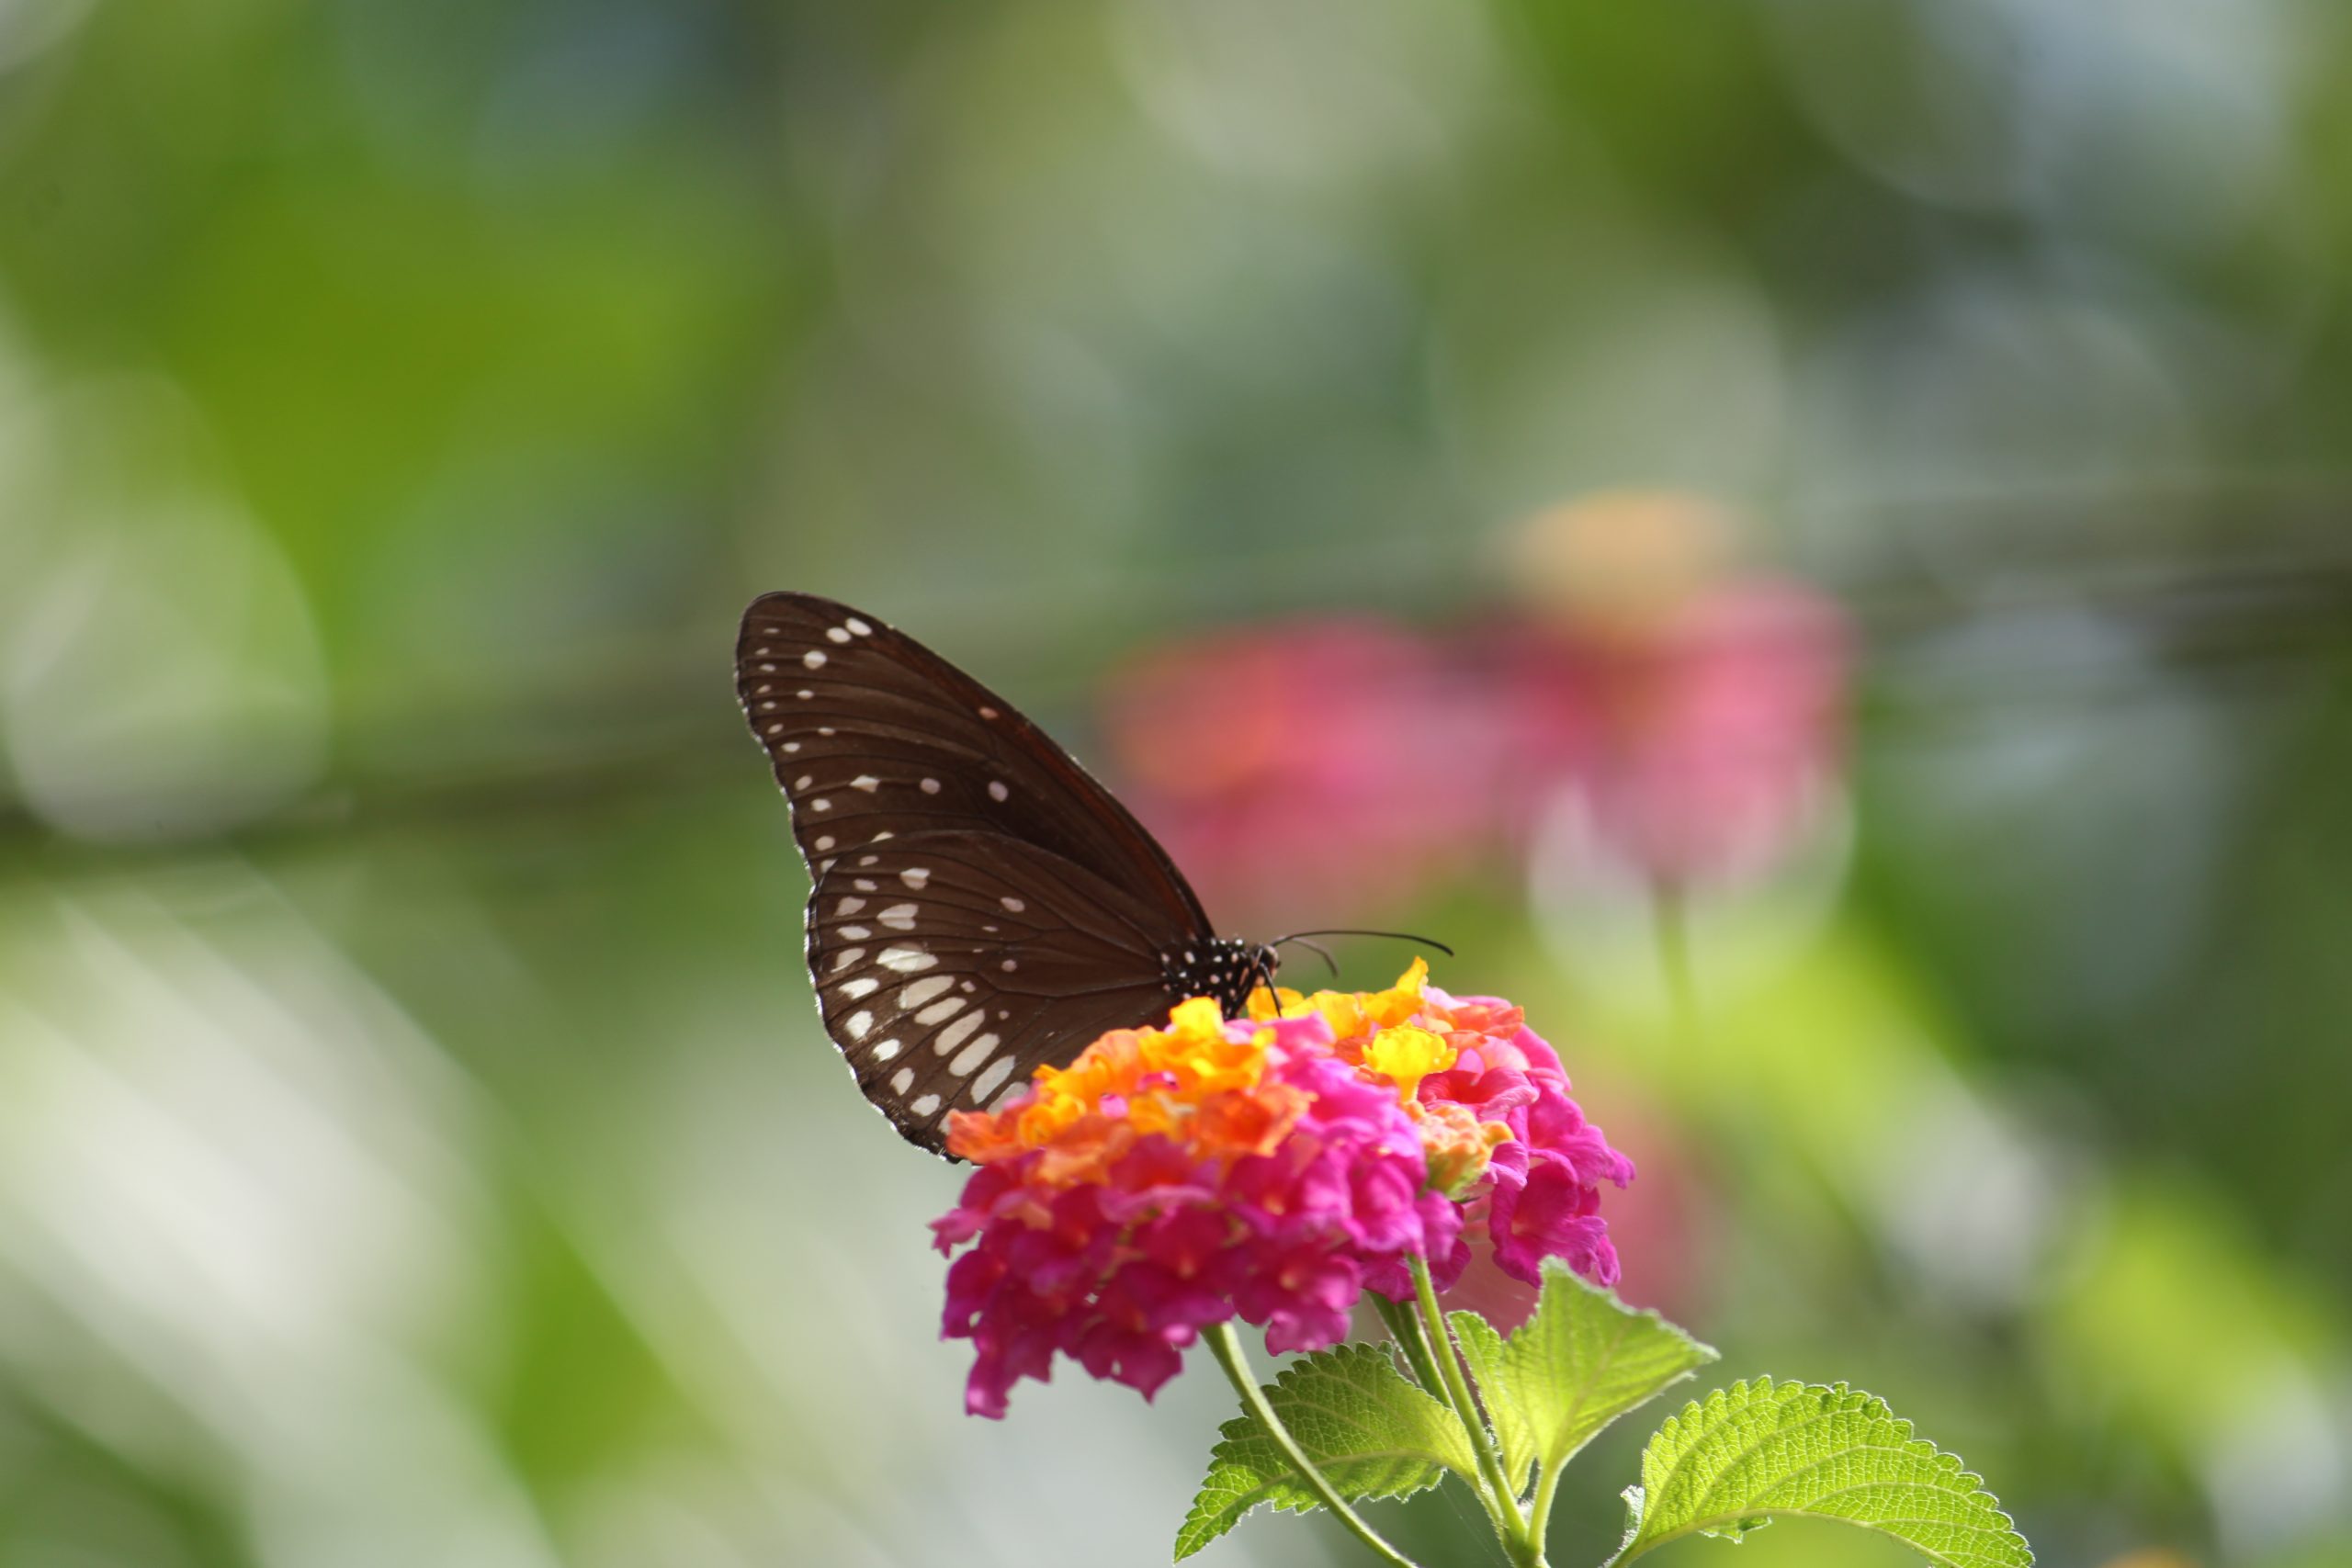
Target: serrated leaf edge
x=1636, y=1497
x=1483, y=1347
x=1627, y=1316
x=1284, y=1493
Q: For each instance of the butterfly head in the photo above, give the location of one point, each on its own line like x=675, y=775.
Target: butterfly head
x=1222, y=967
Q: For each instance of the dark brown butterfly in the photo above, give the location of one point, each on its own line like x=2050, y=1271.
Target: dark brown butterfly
x=979, y=903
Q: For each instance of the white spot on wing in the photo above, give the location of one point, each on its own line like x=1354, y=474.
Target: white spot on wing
x=885, y=1049
x=997, y=790
x=984, y=1085
x=940, y=1009
x=1011, y=905
x=859, y=989
x=900, y=917
x=973, y=1056
x=986, y=712
x=930, y=787
x=906, y=960
x=850, y=906
x=821, y=804
x=902, y=1080
x=824, y=840
x=814, y=659
x=837, y=634
x=865, y=782
x=856, y=933
x=922, y=991
x=915, y=876
x=860, y=627
x=925, y=1106
x=1010, y=965
x=859, y=1022
x=847, y=956
x=953, y=1035
x=804, y=781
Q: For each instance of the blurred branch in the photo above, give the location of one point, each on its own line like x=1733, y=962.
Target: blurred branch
x=2242, y=621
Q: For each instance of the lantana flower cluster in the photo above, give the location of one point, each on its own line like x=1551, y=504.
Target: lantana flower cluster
x=1270, y=1169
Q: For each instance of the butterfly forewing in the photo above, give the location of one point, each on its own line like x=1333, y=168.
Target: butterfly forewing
x=909, y=742
x=980, y=904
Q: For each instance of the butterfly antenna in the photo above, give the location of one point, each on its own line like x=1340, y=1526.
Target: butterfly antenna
x=1354, y=931
x=1315, y=947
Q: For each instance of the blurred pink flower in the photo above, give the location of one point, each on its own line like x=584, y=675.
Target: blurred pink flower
x=1673, y=715
x=1694, y=747
x=1682, y=718
x=1307, y=771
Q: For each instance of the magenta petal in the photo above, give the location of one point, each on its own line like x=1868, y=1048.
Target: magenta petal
x=1552, y=1216
x=971, y=1281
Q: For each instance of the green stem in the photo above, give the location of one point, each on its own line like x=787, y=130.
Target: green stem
x=1225, y=1346
x=1509, y=1522
x=1406, y=1328
x=1404, y=1323
x=1539, y=1515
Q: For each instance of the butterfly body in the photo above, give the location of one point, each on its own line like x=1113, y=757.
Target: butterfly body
x=979, y=905
x=1223, y=968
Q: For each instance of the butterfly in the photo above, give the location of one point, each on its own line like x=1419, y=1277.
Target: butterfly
x=979, y=904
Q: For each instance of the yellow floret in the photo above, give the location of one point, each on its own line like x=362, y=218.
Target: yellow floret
x=1194, y=1050
x=1407, y=1053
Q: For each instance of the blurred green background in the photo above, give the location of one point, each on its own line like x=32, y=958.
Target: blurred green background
x=417, y=1142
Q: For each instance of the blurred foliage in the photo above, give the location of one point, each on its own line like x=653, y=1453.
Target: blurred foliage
x=415, y=1140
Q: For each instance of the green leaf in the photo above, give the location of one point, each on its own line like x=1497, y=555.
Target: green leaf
x=1581, y=1362
x=1371, y=1432
x=1758, y=1451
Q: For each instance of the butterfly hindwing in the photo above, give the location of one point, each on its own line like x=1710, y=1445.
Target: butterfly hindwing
x=948, y=965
